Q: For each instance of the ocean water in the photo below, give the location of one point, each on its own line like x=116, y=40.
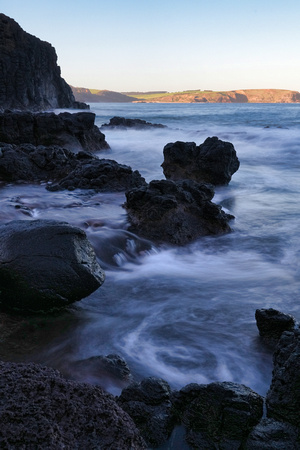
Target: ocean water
x=184, y=314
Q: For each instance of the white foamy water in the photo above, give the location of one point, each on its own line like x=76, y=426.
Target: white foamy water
x=184, y=314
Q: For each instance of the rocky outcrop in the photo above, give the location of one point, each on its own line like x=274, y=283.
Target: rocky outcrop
x=149, y=405
x=41, y=409
x=270, y=434
x=214, y=161
x=100, y=175
x=218, y=415
x=72, y=131
x=283, y=398
x=29, y=75
x=272, y=323
x=45, y=265
x=165, y=211
x=138, y=124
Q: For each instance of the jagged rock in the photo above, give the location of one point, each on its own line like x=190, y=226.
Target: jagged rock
x=218, y=415
x=139, y=124
x=270, y=434
x=148, y=404
x=214, y=161
x=283, y=398
x=72, y=131
x=40, y=409
x=165, y=211
x=101, y=175
x=44, y=265
x=30, y=77
x=272, y=323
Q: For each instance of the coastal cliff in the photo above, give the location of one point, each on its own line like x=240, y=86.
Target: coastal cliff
x=30, y=78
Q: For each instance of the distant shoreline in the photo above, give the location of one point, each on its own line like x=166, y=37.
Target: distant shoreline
x=190, y=96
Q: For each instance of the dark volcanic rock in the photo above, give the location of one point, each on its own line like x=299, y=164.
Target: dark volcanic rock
x=148, y=404
x=65, y=169
x=121, y=122
x=44, y=265
x=72, y=131
x=29, y=163
x=165, y=211
x=283, y=398
x=40, y=409
x=270, y=434
x=272, y=323
x=218, y=415
x=214, y=161
x=29, y=75
x=110, y=365
x=101, y=175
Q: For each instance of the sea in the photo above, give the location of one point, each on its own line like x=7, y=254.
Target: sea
x=185, y=314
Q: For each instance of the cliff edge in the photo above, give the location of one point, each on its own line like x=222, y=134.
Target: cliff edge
x=30, y=78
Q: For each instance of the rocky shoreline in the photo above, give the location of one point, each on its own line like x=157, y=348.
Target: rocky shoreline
x=46, y=265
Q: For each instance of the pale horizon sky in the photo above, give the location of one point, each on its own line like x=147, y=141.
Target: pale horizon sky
x=170, y=45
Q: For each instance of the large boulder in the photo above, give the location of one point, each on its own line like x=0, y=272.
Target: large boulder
x=123, y=123
x=30, y=77
x=214, y=161
x=283, y=398
x=72, y=131
x=218, y=415
x=45, y=264
x=165, y=211
x=40, y=409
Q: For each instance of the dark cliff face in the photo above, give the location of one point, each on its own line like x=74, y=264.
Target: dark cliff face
x=29, y=75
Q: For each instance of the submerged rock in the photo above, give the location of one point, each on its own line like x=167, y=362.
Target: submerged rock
x=44, y=265
x=72, y=131
x=214, y=161
x=175, y=212
x=41, y=409
x=122, y=123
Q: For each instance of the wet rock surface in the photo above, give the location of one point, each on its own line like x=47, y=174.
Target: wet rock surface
x=218, y=415
x=100, y=175
x=214, y=161
x=123, y=123
x=148, y=404
x=270, y=434
x=72, y=131
x=45, y=265
x=283, y=398
x=175, y=212
x=41, y=409
x=272, y=323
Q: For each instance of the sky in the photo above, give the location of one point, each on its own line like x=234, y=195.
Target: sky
x=169, y=45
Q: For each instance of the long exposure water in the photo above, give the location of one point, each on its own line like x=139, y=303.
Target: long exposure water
x=184, y=314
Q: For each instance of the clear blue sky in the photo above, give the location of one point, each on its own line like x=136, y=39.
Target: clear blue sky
x=171, y=45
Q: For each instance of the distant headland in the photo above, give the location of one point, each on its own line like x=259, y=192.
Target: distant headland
x=190, y=96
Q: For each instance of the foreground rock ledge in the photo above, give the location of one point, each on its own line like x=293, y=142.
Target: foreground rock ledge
x=177, y=213
x=45, y=264
x=40, y=409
